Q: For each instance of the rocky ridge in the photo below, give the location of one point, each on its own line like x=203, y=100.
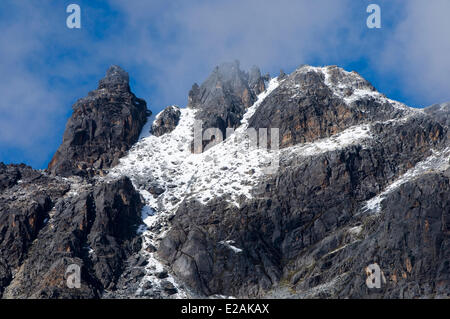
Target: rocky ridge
x=440, y=112
x=223, y=98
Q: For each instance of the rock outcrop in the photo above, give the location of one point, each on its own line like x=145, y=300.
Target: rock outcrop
x=48, y=224
x=256, y=81
x=166, y=121
x=440, y=112
x=225, y=95
x=26, y=199
x=103, y=126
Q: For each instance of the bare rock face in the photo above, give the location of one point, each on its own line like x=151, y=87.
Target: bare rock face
x=47, y=224
x=256, y=81
x=9, y=175
x=26, y=198
x=440, y=112
x=225, y=95
x=103, y=126
x=166, y=121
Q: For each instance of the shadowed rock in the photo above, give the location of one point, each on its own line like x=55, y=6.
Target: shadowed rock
x=304, y=107
x=43, y=230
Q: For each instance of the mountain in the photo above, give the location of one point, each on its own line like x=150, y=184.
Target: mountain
x=348, y=179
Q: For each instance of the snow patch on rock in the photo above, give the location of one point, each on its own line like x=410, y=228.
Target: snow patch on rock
x=437, y=162
x=230, y=244
x=353, y=135
x=353, y=87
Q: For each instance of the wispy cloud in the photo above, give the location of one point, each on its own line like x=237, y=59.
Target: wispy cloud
x=419, y=50
x=197, y=35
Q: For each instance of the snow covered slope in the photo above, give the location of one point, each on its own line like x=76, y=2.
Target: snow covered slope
x=230, y=169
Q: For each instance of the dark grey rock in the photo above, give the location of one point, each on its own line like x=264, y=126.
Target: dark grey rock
x=304, y=108
x=294, y=233
x=26, y=199
x=156, y=190
x=9, y=175
x=289, y=232
x=162, y=274
x=103, y=218
x=256, y=81
x=147, y=285
x=168, y=287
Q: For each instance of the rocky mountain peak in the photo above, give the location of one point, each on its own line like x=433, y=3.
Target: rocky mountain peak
x=339, y=77
x=337, y=81
x=227, y=84
x=225, y=95
x=103, y=126
x=256, y=81
x=116, y=78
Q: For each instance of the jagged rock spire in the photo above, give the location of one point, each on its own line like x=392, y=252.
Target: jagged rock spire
x=102, y=128
x=115, y=78
x=225, y=95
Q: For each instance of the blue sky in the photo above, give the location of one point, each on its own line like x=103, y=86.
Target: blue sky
x=166, y=46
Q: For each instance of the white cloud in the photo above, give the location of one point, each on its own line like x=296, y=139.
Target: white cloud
x=419, y=50
x=198, y=35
